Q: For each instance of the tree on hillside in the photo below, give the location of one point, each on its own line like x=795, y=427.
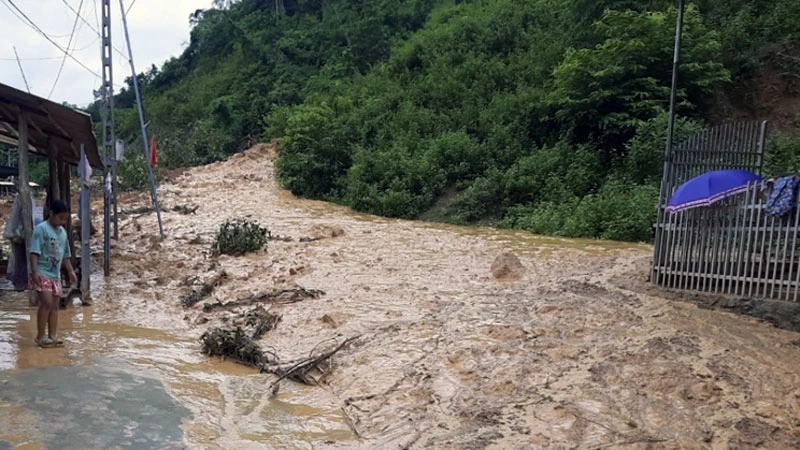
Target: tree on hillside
x=602, y=93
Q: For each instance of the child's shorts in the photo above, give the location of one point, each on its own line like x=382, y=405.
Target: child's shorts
x=47, y=285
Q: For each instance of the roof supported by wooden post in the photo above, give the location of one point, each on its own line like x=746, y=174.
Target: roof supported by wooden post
x=51, y=126
x=60, y=133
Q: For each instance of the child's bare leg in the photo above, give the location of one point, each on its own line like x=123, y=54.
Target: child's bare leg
x=43, y=314
x=52, y=328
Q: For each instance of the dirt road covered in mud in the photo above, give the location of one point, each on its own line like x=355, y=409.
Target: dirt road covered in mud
x=555, y=355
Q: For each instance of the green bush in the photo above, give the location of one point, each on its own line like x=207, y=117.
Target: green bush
x=618, y=211
x=480, y=199
x=546, y=218
x=132, y=171
x=644, y=158
x=314, y=151
x=782, y=155
x=240, y=236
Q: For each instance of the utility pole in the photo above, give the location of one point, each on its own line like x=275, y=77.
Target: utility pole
x=663, y=194
x=153, y=195
x=109, y=139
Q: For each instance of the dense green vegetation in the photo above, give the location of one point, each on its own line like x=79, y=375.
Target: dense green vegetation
x=240, y=236
x=547, y=115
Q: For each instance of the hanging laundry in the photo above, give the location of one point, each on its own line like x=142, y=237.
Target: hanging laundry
x=782, y=198
x=84, y=170
x=15, y=228
x=17, y=270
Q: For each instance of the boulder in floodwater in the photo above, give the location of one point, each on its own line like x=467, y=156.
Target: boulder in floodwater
x=507, y=267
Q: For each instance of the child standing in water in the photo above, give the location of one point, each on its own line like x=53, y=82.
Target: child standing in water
x=49, y=250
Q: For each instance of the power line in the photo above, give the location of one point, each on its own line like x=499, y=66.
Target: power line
x=97, y=38
x=51, y=58
x=129, y=7
x=22, y=71
x=39, y=30
x=64, y=59
x=55, y=36
x=31, y=59
x=88, y=24
x=96, y=16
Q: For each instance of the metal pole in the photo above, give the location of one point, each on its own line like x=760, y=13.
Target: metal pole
x=146, y=144
x=675, y=62
x=667, y=173
x=108, y=126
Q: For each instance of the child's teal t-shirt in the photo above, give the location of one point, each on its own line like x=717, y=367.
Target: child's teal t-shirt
x=51, y=246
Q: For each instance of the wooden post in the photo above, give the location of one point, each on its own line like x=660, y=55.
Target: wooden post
x=25, y=189
x=85, y=229
x=66, y=197
x=52, y=170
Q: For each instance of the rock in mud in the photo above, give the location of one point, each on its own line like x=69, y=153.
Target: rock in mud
x=326, y=231
x=507, y=267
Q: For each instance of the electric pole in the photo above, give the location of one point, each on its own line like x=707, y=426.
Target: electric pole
x=663, y=194
x=109, y=139
x=146, y=144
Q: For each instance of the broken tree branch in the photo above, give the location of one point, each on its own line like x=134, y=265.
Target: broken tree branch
x=301, y=371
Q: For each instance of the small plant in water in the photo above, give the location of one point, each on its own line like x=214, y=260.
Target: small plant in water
x=240, y=236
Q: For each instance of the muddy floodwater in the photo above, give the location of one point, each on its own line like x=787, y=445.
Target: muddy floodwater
x=568, y=348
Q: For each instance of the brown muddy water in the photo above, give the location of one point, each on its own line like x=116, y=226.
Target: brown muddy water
x=558, y=355
x=121, y=386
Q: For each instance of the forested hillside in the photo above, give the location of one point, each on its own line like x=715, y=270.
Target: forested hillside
x=547, y=115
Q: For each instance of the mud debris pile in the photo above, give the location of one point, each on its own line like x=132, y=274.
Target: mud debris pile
x=452, y=355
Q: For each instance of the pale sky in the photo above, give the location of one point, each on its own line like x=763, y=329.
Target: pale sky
x=159, y=29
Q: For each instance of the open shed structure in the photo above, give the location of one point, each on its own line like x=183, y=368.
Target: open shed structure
x=64, y=136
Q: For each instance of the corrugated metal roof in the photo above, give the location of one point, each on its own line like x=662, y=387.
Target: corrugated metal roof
x=49, y=123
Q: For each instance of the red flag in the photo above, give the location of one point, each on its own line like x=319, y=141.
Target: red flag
x=153, y=156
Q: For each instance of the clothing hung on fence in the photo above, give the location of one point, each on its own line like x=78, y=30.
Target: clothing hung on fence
x=782, y=198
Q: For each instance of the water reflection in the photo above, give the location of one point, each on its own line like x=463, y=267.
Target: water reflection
x=119, y=386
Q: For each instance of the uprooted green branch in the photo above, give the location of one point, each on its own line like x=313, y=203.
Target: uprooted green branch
x=141, y=210
x=283, y=296
x=203, y=291
x=236, y=344
x=311, y=370
x=185, y=209
x=261, y=320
